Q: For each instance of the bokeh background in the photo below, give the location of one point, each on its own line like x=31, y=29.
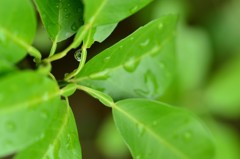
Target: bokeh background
x=207, y=81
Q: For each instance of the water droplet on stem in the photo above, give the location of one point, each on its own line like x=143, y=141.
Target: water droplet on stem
x=77, y=55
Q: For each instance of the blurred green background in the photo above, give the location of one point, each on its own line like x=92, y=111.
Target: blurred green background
x=207, y=75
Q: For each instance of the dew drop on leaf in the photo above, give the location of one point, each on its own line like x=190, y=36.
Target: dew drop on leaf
x=138, y=157
x=140, y=129
x=145, y=43
x=45, y=97
x=103, y=75
x=74, y=27
x=155, y=123
x=160, y=26
x=77, y=55
x=2, y=37
x=187, y=135
x=134, y=9
x=106, y=59
x=10, y=126
x=44, y=114
x=67, y=15
x=162, y=65
x=131, y=65
x=69, y=141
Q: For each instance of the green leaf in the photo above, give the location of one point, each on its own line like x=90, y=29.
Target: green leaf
x=102, y=97
x=142, y=65
x=155, y=130
x=61, y=18
x=105, y=14
x=102, y=32
x=17, y=28
x=222, y=95
x=5, y=67
x=60, y=139
x=28, y=102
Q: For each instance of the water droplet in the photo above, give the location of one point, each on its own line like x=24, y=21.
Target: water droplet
x=141, y=92
x=162, y=65
x=74, y=27
x=68, y=34
x=103, y=75
x=45, y=96
x=132, y=38
x=2, y=37
x=151, y=84
x=10, y=126
x=134, y=9
x=131, y=65
x=77, y=55
x=121, y=46
x=65, y=9
x=145, y=43
x=155, y=123
x=67, y=15
x=106, y=59
x=79, y=10
x=187, y=135
x=57, y=6
x=141, y=129
x=138, y=157
x=160, y=26
x=44, y=114
x=70, y=138
x=8, y=143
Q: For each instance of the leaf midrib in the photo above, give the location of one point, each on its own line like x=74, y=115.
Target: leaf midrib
x=59, y=133
x=149, y=53
x=154, y=134
x=26, y=104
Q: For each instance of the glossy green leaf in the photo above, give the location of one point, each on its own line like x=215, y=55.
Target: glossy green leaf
x=222, y=95
x=105, y=14
x=5, y=67
x=102, y=32
x=155, y=130
x=142, y=65
x=102, y=97
x=60, y=141
x=28, y=102
x=61, y=18
x=17, y=28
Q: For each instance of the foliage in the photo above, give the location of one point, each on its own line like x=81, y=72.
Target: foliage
x=131, y=77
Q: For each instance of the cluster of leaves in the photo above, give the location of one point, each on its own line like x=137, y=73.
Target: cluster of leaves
x=36, y=120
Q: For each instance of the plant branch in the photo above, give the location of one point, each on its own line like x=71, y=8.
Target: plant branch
x=77, y=41
x=54, y=47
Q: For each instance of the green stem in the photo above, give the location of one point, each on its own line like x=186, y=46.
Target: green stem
x=54, y=47
x=77, y=41
x=83, y=58
x=80, y=66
